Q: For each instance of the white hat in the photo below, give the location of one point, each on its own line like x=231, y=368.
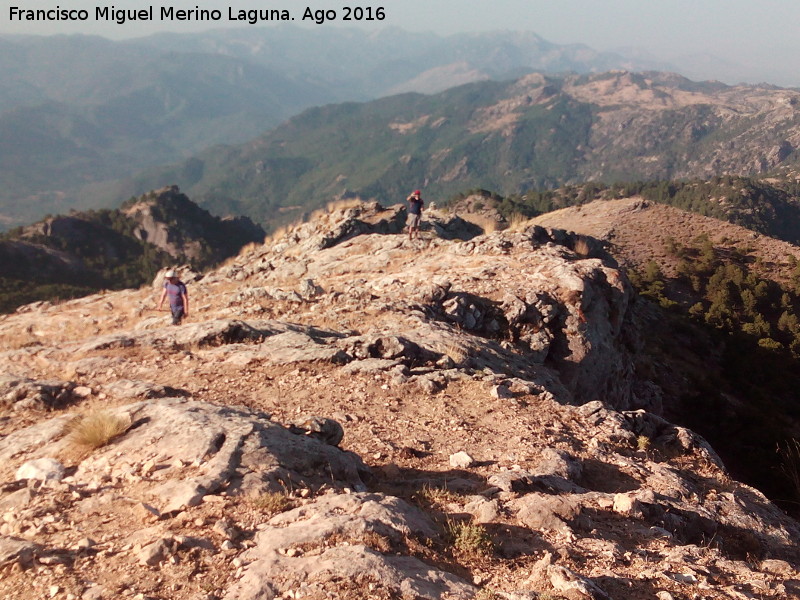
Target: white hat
x=170, y=274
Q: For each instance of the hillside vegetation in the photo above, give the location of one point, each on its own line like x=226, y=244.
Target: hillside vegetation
x=78, y=113
x=738, y=348
x=535, y=133
x=722, y=327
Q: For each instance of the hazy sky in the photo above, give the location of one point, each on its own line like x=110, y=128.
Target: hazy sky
x=740, y=30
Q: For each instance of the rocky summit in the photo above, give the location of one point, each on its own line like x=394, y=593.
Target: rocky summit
x=350, y=414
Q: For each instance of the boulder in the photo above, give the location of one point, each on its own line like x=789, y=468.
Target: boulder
x=551, y=513
x=15, y=551
x=22, y=392
x=461, y=460
x=41, y=469
x=323, y=429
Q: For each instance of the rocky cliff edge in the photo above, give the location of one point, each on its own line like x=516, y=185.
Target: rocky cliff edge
x=350, y=414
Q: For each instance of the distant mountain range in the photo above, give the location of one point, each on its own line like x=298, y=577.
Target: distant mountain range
x=78, y=112
x=533, y=133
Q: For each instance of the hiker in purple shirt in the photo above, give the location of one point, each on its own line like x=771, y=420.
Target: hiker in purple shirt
x=178, y=297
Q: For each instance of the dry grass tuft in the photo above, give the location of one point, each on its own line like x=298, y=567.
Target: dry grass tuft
x=582, y=247
x=377, y=542
x=278, y=234
x=251, y=248
x=436, y=496
x=457, y=353
x=96, y=429
x=18, y=337
x=488, y=224
x=518, y=222
x=272, y=503
x=333, y=206
x=343, y=204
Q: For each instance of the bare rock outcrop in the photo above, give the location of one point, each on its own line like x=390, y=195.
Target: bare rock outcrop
x=179, y=451
x=365, y=416
x=22, y=392
x=351, y=538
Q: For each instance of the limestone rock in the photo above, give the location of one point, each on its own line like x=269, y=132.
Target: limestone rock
x=350, y=517
x=779, y=567
x=519, y=312
x=461, y=460
x=627, y=505
x=126, y=388
x=323, y=429
x=155, y=553
x=554, y=513
x=41, y=469
x=22, y=392
x=385, y=347
x=502, y=392
x=175, y=495
x=233, y=448
x=17, y=500
x=564, y=580
x=483, y=510
x=310, y=290
x=15, y=551
x=371, y=365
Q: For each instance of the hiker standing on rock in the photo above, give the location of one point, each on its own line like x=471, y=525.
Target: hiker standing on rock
x=178, y=297
x=415, y=205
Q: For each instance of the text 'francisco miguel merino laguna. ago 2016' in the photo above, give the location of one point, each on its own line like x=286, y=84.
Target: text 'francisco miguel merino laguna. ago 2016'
x=121, y=16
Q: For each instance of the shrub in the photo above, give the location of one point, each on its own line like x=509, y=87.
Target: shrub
x=770, y=344
x=469, y=539
x=96, y=429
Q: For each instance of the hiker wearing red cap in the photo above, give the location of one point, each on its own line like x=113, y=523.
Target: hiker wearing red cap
x=415, y=205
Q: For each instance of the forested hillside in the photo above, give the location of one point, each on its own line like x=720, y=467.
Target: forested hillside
x=83, y=252
x=518, y=137
x=78, y=113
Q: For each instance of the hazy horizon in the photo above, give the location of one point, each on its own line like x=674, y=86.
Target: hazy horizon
x=752, y=39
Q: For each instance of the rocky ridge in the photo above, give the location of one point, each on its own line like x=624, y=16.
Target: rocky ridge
x=170, y=221
x=496, y=441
